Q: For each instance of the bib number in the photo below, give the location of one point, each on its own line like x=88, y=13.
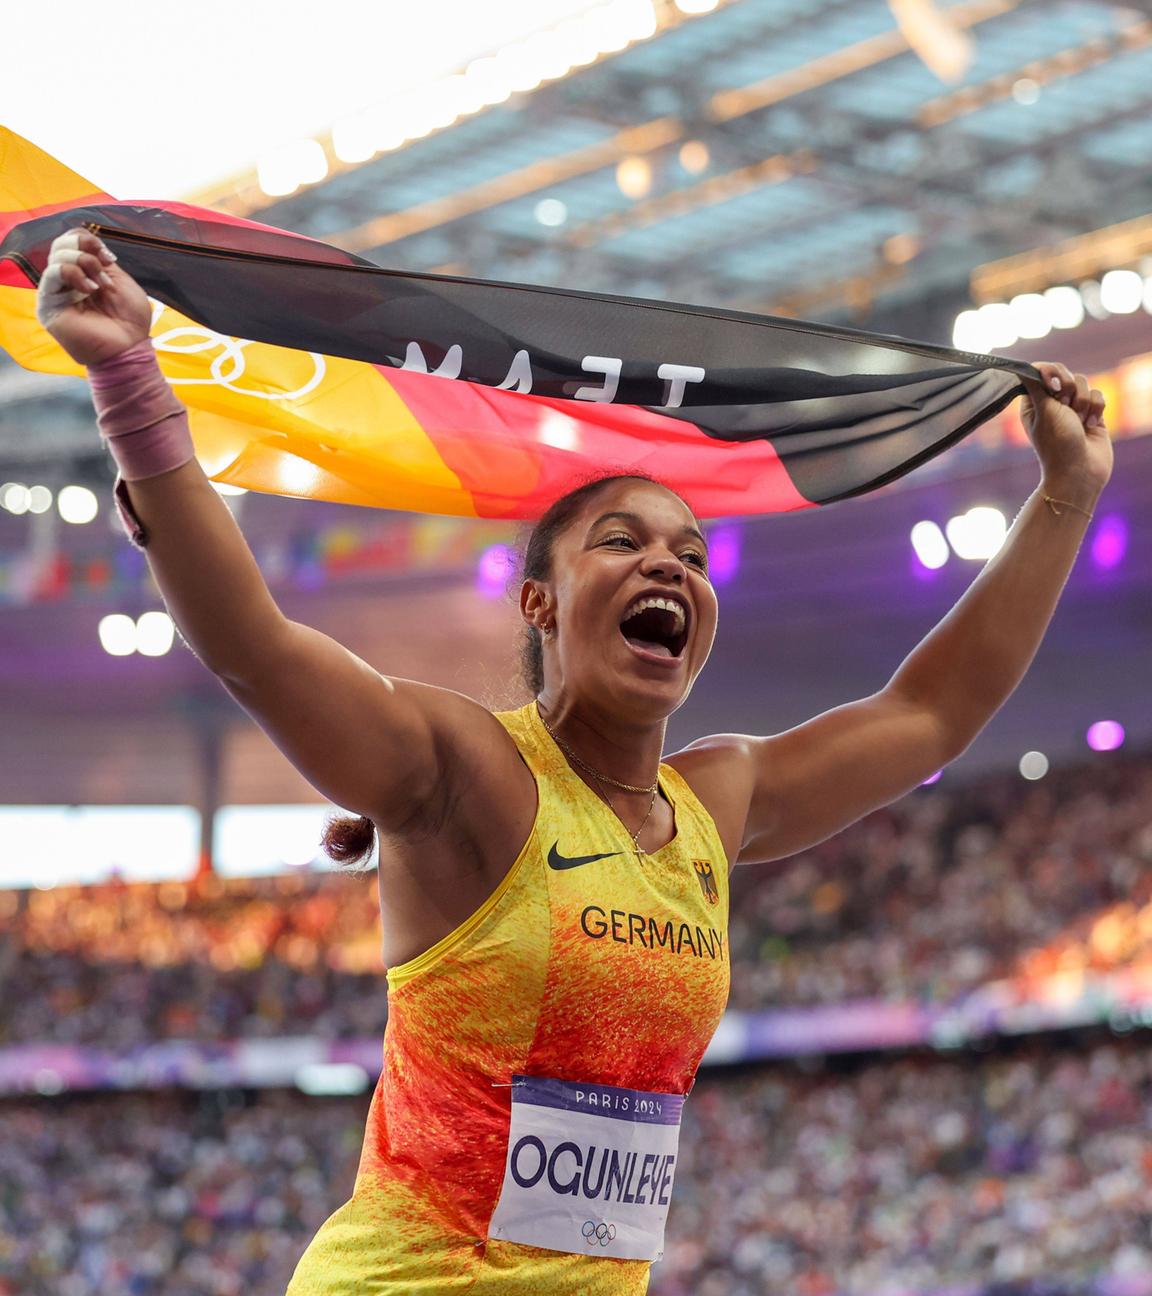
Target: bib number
x=589, y=1168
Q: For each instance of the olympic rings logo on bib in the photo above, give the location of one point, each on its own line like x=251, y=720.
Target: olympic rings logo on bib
x=597, y=1231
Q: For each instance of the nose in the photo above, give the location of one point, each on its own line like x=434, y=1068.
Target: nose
x=666, y=566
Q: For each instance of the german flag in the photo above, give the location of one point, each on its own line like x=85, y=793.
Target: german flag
x=314, y=373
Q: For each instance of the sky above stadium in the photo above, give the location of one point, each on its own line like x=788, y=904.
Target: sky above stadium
x=154, y=100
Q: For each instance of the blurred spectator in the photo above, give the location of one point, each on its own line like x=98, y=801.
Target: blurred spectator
x=924, y=900
x=1029, y=1171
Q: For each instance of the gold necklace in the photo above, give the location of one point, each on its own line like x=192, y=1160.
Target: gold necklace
x=605, y=778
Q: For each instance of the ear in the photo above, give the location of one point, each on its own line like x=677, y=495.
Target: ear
x=536, y=605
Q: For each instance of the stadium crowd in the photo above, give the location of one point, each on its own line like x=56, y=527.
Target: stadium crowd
x=1029, y=1171
x=925, y=900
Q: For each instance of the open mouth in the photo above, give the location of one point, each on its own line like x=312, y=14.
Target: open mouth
x=656, y=625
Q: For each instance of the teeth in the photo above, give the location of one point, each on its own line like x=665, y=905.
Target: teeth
x=665, y=605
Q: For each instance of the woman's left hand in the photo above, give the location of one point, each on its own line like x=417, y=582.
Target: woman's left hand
x=1065, y=421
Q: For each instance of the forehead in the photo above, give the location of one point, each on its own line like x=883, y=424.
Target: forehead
x=655, y=505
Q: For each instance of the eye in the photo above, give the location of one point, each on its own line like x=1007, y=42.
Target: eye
x=619, y=538
x=696, y=558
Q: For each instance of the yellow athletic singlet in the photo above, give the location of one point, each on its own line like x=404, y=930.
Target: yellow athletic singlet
x=591, y=977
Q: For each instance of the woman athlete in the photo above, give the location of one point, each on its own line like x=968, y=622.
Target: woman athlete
x=554, y=894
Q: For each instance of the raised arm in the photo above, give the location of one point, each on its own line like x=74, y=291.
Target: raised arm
x=371, y=744
x=803, y=786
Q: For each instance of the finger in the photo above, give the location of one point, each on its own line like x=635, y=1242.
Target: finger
x=82, y=240
x=59, y=288
x=1081, y=402
x=1050, y=372
x=1095, y=409
x=88, y=262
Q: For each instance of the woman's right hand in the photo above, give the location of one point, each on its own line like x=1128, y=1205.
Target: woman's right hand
x=91, y=307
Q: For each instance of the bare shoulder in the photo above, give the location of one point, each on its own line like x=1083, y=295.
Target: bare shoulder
x=721, y=771
x=472, y=743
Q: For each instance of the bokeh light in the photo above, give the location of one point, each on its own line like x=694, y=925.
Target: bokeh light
x=77, y=504
x=933, y=778
x=117, y=633
x=1033, y=765
x=1105, y=735
x=154, y=634
x=930, y=546
x=494, y=570
x=1109, y=541
x=725, y=544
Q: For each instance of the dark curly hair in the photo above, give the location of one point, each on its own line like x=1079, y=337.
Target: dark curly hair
x=348, y=840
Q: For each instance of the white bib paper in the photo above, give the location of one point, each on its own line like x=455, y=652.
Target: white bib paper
x=589, y=1168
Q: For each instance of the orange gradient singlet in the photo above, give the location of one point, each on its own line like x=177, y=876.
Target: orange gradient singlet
x=588, y=967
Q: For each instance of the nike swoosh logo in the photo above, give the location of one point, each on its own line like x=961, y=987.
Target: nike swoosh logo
x=558, y=861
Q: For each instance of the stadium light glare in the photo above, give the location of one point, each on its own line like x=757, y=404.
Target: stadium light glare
x=1033, y=765
x=978, y=534
x=693, y=7
x=1031, y=315
x=39, y=499
x=1092, y=299
x=551, y=212
x=999, y=324
x=15, y=497
x=969, y=333
x=1109, y=541
x=354, y=139
x=930, y=545
x=694, y=156
x=493, y=570
x=1121, y=292
x=155, y=634
x=327, y=1079
x=77, y=504
x=1066, y=307
x=276, y=173
x=634, y=176
x=117, y=633
x=1105, y=735
x=725, y=547
x=226, y=488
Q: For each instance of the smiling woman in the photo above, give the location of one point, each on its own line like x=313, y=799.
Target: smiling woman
x=554, y=894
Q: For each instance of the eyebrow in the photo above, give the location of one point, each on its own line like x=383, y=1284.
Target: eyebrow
x=634, y=519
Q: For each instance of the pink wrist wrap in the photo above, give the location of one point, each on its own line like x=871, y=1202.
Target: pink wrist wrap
x=145, y=426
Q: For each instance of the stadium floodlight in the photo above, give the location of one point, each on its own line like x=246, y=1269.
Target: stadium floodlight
x=551, y=212
x=1121, y=292
x=1066, y=306
x=969, y=333
x=693, y=7
x=39, y=499
x=15, y=497
x=77, y=504
x=276, y=172
x=117, y=633
x=1000, y=325
x=154, y=634
x=930, y=546
x=978, y=534
x=354, y=139
x=634, y=176
x=1031, y=315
